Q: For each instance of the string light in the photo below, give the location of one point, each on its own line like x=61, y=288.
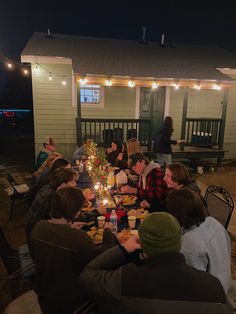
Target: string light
x=197, y=86
x=176, y=85
x=9, y=65
x=108, y=83
x=63, y=81
x=131, y=84
x=154, y=85
x=83, y=81
x=50, y=77
x=216, y=87
x=25, y=71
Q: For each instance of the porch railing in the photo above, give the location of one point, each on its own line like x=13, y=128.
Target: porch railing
x=103, y=131
x=203, y=132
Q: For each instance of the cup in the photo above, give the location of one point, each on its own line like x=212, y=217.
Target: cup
x=132, y=221
x=101, y=221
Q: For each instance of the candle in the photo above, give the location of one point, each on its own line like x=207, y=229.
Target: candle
x=105, y=202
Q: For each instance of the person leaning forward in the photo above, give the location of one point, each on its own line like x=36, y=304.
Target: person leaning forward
x=117, y=287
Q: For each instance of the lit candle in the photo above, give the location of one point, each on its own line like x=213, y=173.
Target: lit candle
x=105, y=202
x=96, y=187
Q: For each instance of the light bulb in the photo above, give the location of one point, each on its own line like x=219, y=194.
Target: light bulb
x=9, y=65
x=25, y=72
x=108, y=83
x=131, y=83
x=63, y=82
x=83, y=81
x=50, y=77
x=154, y=85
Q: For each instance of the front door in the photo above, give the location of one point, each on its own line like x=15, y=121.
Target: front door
x=152, y=106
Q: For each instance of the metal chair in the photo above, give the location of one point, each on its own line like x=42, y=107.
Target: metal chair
x=220, y=204
x=17, y=192
x=18, y=264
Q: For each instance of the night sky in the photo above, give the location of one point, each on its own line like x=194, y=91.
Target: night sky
x=196, y=22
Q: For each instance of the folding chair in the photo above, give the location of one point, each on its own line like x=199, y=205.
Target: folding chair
x=16, y=192
x=220, y=204
x=18, y=264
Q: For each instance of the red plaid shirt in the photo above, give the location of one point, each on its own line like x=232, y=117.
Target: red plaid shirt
x=155, y=187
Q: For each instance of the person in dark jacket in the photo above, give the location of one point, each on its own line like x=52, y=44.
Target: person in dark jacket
x=60, y=251
x=163, y=141
x=114, y=285
x=117, y=154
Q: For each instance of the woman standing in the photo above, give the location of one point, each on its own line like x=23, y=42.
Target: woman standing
x=163, y=141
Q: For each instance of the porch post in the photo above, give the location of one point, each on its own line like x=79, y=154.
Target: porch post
x=150, y=135
x=78, y=125
x=184, y=115
x=223, y=117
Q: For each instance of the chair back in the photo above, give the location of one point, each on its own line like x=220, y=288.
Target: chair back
x=220, y=204
x=11, y=180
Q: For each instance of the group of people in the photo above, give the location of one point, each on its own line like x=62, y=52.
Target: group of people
x=180, y=253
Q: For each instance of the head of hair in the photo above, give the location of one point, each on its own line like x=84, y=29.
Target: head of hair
x=133, y=146
x=119, y=145
x=134, y=158
x=168, y=122
x=180, y=173
x=67, y=202
x=48, y=163
x=187, y=207
x=60, y=176
x=59, y=163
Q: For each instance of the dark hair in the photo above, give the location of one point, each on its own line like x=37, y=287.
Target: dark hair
x=180, y=173
x=67, y=202
x=119, y=145
x=60, y=176
x=187, y=207
x=134, y=158
x=59, y=163
x=168, y=123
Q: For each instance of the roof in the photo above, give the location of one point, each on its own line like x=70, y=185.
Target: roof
x=115, y=57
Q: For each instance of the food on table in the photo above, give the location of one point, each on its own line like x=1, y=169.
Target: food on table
x=88, y=207
x=124, y=235
x=126, y=199
x=139, y=213
x=95, y=234
x=110, y=204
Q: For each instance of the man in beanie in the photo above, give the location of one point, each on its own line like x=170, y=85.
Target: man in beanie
x=47, y=149
x=116, y=286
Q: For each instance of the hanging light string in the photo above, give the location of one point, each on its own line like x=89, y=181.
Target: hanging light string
x=25, y=68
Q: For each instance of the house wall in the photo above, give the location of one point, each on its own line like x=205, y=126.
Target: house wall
x=54, y=114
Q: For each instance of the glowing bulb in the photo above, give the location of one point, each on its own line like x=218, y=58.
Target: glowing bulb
x=25, y=72
x=197, y=86
x=50, y=77
x=108, y=83
x=216, y=86
x=154, y=85
x=63, y=82
x=96, y=187
x=131, y=83
x=176, y=86
x=105, y=202
x=9, y=65
x=89, y=168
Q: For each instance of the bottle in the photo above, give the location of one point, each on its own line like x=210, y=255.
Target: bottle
x=81, y=166
x=113, y=220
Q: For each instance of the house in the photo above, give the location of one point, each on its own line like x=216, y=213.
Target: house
x=88, y=86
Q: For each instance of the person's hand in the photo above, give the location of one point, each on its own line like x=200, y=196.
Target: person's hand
x=78, y=224
x=132, y=244
x=128, y=189
x=180, y=142
x=101, y=209
x=145, y=204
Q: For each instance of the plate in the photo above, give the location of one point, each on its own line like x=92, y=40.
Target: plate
x=139, y=213
x=125, y=199
x=96, y=235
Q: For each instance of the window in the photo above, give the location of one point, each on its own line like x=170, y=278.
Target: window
x=91, y=95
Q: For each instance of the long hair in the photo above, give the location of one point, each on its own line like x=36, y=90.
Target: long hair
x=133, y=146
x=180, y=173
x=168, y=124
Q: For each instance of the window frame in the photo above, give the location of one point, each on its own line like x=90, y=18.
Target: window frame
x=86, y=105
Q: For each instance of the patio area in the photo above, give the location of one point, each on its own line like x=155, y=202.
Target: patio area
x=14, y=230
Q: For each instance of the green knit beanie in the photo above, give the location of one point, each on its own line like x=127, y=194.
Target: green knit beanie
x=160, y=233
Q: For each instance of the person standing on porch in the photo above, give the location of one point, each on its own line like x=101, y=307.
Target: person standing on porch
x=47, y=149
x=163, y=142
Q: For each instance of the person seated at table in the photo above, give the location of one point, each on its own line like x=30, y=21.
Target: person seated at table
x=133, y=146
x=177, y=177
x=117, y=154
x=41, y=206
x=205, y=242
x=48, y=148
x=151, y=188
x=58, y=164
x=115, y=286
x=81, y=151
x=60, y=251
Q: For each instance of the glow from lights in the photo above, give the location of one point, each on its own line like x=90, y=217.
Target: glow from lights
x=108, y=83
x=154, y=85
x=9, y=65
x=50, y=77
x=25, y=72
x=216, y=87
x=131, y=84
x=63, y=81
x=197, y=86
x=176, y=85
x=83, y=81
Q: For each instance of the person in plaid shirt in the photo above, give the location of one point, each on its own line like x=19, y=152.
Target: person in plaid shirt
x=151, y=188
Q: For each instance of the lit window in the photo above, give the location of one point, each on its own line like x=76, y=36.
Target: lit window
x=91, y=94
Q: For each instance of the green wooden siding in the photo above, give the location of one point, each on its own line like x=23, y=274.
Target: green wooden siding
x=119, y=102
